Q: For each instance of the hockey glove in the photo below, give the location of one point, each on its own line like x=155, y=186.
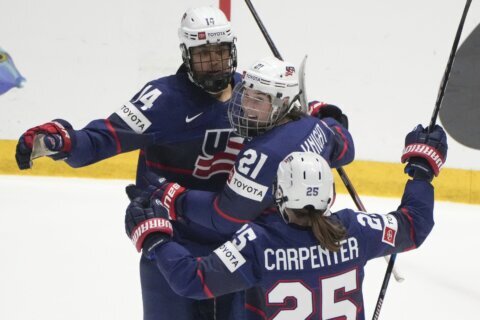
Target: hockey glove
x=147, y=228
x=165, y=192
x=324, y=110
x=425, y=153
x=52, y=139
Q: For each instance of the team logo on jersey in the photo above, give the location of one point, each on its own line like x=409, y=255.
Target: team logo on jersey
x=289, y=71
x=219, y=152
x=390, y=229
x=190, y=119
x=134, y=118
x=230, y=256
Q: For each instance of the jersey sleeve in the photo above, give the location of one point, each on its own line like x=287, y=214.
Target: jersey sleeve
x=343, y=149
x=247, y=193
x=134, y=126
x=231, y=267
x=398, y=231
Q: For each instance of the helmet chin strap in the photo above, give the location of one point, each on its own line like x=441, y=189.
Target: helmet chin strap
x=214, y=84
x=285, y=216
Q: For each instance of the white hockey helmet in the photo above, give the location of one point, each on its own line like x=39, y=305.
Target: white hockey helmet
x=208, y=27
x=271, y=77
x=304, y=180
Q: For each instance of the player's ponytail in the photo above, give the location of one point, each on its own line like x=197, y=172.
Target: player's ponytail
x=328, y=232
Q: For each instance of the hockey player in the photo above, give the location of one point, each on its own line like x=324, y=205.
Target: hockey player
x=180, y=124
x=263, y=109
x=310, y=264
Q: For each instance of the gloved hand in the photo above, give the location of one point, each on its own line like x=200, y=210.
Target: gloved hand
x=324, y=110
x=55, y=142
x=158, y=189
x=425, y=153
x=146, y=227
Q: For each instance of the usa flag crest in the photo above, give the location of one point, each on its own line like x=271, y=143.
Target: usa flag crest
x=390, y=229
x=289, y=71
x=219, y=153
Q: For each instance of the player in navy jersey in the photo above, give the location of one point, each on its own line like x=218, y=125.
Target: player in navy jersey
x=180, y=124
x=306, y=261
x=265, y=110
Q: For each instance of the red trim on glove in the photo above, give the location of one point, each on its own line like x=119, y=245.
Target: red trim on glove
x=314, y=107
x=149, y=226
x=172, y=191
x=67, y=141
x=49, y=128
x=425, y=151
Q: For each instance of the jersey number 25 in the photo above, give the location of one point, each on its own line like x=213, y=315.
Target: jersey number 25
x=330, y=306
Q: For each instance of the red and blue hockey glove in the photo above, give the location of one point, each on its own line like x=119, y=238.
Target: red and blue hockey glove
x=324, y=110
x=159, y=190
x=52, y=139
x=425, y=153
x=147, y=228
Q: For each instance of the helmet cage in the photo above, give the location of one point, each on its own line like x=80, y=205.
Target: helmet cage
x=209, y=29
x=200, y=69
x=268, y=77
x=243, y=104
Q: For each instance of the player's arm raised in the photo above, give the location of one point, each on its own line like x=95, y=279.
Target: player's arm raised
x=123, y=131
x=407, y=227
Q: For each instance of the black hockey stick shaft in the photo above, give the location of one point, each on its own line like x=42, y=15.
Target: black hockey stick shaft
x=441, y=92
x=384, y=287
x=351, y=190
x=361, y=207
x=446, y=75
x=264, y=31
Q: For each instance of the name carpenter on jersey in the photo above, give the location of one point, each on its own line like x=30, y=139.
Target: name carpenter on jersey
x=314, y=257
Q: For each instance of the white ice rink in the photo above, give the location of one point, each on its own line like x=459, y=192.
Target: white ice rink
x=64, y=255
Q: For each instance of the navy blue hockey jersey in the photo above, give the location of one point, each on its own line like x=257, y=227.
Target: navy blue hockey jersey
x=248, y=191
x=297, y=278
x=182, y=131
x=183, y=134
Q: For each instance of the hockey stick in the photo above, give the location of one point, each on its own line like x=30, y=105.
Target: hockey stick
x=460, y=110
x=341, y=172
x=276, y=53
x=441, y=92
x=446, y=75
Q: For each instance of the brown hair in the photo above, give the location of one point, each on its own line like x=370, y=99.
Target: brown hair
x=328, y=232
